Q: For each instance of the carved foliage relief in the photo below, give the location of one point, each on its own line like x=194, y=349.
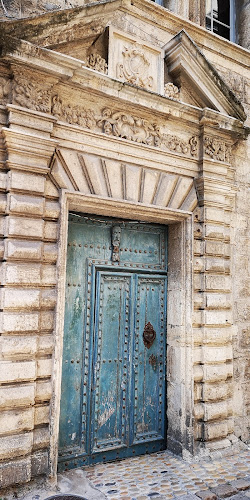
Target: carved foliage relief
x=217, y=149
x=125, y=126
x=29, y=93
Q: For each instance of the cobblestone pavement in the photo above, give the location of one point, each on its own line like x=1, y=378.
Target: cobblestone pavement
x=165, y=476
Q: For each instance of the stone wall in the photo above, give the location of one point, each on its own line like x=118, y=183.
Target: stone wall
x=28, y=298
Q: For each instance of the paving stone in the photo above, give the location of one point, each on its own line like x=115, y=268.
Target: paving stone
x=206, y=495
x=224, y=490
x=189, y=496
x=239, y=496
x=241, y=484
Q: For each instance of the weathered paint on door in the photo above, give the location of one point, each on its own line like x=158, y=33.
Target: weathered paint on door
x=113, y=377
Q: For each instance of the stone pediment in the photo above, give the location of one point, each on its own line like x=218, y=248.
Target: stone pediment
x=197, y=79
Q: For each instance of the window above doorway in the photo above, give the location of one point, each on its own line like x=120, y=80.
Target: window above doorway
x=220, y=18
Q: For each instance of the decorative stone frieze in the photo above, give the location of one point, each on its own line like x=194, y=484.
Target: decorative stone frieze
x=125, y=126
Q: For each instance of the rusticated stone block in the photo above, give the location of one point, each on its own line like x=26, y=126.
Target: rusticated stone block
x=215, y=317
x=45, y=344
x=216, y=373
x=22, y=274
x=25, y=227
x=217, y=282
x=16, y=421
x=43, y=391
x=51, y=231
x=25, y=250
x=47, y=320
x=215, y=430
x=17, y=395
x=14, y=347
x=22, y=181
x=218, y=300
x=16, y=322
x=215, y=231
x=52, y=209
x=215, y=411
x=48, y=275
x=41, y=438
x=48, y=299
x=16, y=472
x=42, y=415
x=23, y=204
x=216, y=264
x=16, y=298
x=17, y=371
x=39, y=463
x=50, y=253
x=15, y=446
x=215, y=248
x=213, y=392
x=44, y=368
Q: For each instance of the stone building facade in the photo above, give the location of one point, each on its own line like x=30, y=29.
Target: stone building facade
x=132, y=111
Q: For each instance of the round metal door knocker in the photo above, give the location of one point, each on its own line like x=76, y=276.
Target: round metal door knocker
x=148, y=335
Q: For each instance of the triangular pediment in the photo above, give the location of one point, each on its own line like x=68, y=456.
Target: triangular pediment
x=198, y=81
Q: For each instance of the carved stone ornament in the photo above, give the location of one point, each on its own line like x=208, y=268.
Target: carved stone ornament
x=171, y=90
x=30, y=94
x=116, y=239
x=149, y=335
x=217, y=149
x=134, y=68
x=123, y=125
x=96, y=62
x=5, y=89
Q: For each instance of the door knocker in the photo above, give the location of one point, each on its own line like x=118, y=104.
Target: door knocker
x=148, y=335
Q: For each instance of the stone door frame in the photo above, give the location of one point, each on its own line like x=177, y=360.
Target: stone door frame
x=179, y=375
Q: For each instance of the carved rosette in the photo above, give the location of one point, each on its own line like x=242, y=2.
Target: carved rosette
x=171, y=91
x=135, y=67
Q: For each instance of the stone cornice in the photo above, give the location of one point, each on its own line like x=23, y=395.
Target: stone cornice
x=36, y=29
x=62, y=69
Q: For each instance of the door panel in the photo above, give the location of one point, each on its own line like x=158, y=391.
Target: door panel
x=149, y=363
x=113, y=383
x=110, y=360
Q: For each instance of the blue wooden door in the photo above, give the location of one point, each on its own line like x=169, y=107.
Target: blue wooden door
x=113, y=379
